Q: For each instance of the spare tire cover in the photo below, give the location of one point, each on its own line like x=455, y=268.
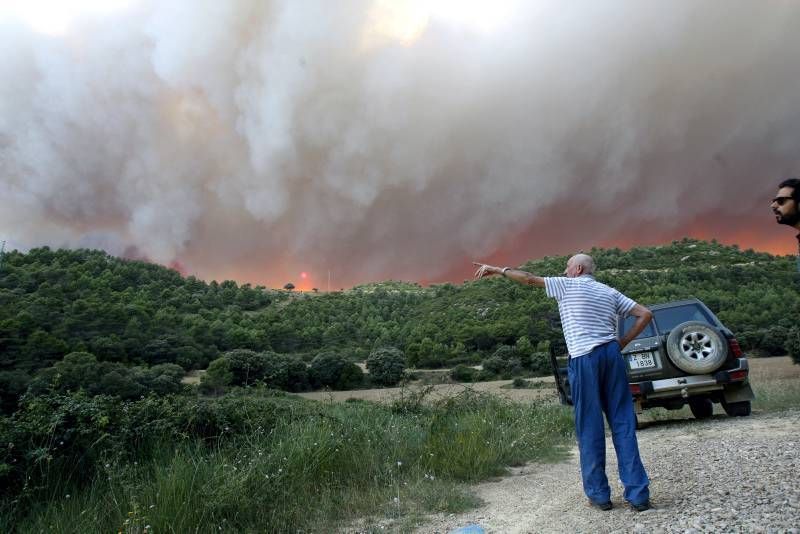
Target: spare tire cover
x=696, y=347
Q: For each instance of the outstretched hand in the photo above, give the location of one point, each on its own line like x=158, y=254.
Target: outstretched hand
x=485, y=270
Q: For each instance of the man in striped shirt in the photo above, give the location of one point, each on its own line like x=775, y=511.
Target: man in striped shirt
x=597, y=373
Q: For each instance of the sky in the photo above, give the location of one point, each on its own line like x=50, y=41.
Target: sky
x=364, y=140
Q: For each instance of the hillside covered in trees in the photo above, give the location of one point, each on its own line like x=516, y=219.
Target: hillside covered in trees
x=139, y=326
x=93, y=350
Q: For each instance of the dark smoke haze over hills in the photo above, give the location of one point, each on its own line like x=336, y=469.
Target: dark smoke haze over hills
x=374, y=139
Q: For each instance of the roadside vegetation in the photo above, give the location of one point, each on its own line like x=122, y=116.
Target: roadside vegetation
x=258, y=460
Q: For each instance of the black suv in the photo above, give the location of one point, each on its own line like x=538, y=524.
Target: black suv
x=685, y=355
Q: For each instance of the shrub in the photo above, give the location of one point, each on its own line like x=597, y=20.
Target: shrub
x=774, y=340
x=297, y=375
x=160, y=379
x=386, y=365
x=483, y=376
x=68, y=437
x=463, y=373
x=12, y=385
x=540, y=364
x=246, y=366
x=494, y=365
x=217, y=377
x=504, y=352
x=793, y=344
x=520, y=383
x=523, y=350
x=286, y=373
x=326, y=368
x=351, y=377
x=329, y=369
x=78, y=369
x=514, y=366
x=117, y=382
x=81, y=371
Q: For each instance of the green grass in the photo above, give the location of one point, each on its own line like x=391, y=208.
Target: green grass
x=776, y=395
x=354, y=461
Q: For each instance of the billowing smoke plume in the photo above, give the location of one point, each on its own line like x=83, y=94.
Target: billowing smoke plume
x=372, y=139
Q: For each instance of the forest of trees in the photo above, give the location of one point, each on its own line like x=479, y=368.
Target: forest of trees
x=131, y=327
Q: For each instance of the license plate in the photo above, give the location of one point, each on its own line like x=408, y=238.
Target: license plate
x=642, y=360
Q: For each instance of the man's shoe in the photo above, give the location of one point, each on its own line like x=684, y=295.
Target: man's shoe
x=604, y=506
x=642, y=506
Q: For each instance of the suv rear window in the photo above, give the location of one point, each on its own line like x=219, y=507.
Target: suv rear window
x=669, y=318
x=628, y=324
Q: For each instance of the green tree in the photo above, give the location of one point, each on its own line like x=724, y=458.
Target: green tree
x=495, y=365
x=246, y=366
x=793, y=344
x=77, y=370
x=41, y=350
x=386, y=365
x=329, y=369
x=540, y=364
x=161, y=379
x=286, y=373
x=217, y=377
x=463, y=373
x=12, y=385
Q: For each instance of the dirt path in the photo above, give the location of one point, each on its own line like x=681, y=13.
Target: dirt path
x=723, y=474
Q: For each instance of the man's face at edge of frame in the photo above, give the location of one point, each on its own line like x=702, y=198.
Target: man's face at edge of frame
x=786, y=213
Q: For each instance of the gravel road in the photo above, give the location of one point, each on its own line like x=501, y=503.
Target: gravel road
x=719, y=475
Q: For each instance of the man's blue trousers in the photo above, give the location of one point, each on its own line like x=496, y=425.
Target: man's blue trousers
x=599, y=385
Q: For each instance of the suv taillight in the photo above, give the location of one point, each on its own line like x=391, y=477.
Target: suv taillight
x=737, y=375
x=735, y=348
x=636, y=389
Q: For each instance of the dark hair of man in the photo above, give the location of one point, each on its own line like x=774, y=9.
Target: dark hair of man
x=794, y=183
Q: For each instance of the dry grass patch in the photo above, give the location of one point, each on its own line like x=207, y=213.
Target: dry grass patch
x=500, y=388
x=769, y=369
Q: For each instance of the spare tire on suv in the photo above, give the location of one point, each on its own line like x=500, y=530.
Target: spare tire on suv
x=696, y=347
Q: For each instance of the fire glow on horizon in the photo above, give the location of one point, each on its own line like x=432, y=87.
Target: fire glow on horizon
x=392, y=139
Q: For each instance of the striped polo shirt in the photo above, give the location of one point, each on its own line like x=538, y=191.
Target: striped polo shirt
x=588, y=311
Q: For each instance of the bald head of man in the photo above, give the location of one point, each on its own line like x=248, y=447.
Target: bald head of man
x=579, y=264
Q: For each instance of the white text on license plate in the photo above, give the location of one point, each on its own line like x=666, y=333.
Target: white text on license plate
x=642, y=360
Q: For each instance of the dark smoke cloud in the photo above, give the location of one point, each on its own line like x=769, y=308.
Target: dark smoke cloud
x=255, y=140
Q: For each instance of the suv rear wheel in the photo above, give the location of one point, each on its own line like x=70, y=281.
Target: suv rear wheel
x=736, y=409
x=696, y=347
x=702, y=408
